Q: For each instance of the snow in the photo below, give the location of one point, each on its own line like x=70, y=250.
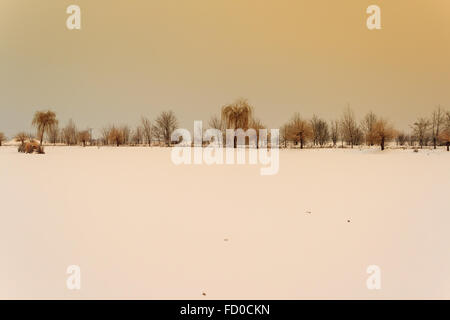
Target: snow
x=141, y=227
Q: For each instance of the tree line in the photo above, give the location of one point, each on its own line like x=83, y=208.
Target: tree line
x=298, y=132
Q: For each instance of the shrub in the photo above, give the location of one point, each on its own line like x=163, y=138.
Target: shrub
x=31, y=147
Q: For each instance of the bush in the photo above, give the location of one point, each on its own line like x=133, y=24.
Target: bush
x=31, y=147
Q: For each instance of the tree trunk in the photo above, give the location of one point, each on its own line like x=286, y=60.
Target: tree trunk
x=42, y=134
x=448, y=145
x=434, y=142
x=382, y=144
x=301, y=143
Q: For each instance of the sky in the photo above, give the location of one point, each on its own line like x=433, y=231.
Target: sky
x=139, y=57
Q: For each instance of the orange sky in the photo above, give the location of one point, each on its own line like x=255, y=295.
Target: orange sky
x=139, y=57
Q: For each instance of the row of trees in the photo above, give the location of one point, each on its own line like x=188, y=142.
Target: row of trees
x=371, y=130
x=147, y=132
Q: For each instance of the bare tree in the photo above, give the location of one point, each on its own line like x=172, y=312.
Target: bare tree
x=69, y=133
x=299, y=130
x=421, y=131
x=216, y=123
x=437, y=119
x=257, y=125
x=137, y=136
x=358, y=138
x=53, y=134
x=412, y=140
x=21, y=137
x=320, y=132
x=126, y=133
x=84, y=136
x=401, y=138
x=384, y=132
x=105, y=133
x=30, y=136
x=349, y=129
x=334, y=132
x=444, y=136
x=157, y=134
x=284, y=134
x=368, y=128
x=2, y=138
x=166, y=124
x=314, y=123
x=116, y=136
x=43, y=121
x=147, y=130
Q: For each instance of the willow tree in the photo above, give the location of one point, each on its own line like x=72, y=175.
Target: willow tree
x=237, y=115
x=44, y=121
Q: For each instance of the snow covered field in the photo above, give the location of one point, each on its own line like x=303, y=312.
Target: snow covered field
x=141, y=227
